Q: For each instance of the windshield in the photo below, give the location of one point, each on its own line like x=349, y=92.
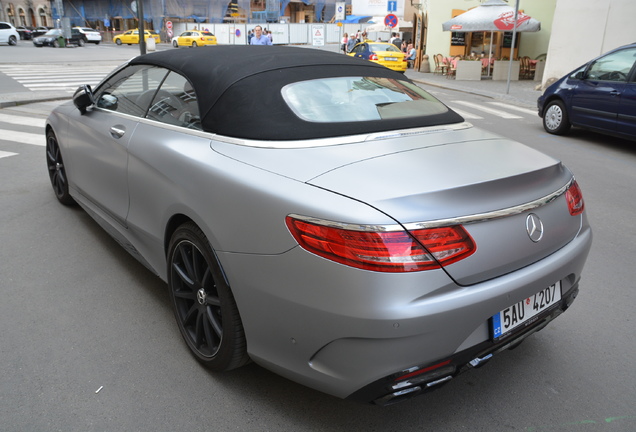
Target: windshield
x=54, y=32
x=357, y=99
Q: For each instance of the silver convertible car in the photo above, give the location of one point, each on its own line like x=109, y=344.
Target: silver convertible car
x=321, y=215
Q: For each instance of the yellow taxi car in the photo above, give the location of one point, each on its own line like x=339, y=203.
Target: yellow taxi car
x=382, y=53
x=193, y=38
x=132, y=37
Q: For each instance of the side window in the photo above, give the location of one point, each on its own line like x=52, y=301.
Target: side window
x=131, y=90
x=613, y=67
x=175, y=103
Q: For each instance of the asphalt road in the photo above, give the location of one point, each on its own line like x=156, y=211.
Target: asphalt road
x=89, y=343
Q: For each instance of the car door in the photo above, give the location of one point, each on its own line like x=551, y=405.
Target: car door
x=359, y=50
x=596, y=98
x=186, y=38
x=5, y=32
x=627, y=108
x=102, y=135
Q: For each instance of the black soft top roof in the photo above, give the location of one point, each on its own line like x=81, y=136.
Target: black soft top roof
x=239, y=89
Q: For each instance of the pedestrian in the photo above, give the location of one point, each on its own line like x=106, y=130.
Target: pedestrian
x=270, y=36
x=351, y=43
x=345, y=39
x=250, y=36
x=259, y=38
x=397, y=41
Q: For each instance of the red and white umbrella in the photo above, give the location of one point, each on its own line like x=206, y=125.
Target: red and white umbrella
x=492, y=15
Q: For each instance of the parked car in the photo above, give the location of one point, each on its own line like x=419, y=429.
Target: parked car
x=52, y=38
x=91, y=35
x=132, y=37
x=383, y=53
x=39, y=31
x=599, y=96
x=25, y=32
x=194, y=38
x=357, y=236
x=8, y=34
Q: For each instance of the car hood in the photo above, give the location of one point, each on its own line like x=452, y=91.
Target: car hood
x=442, y=175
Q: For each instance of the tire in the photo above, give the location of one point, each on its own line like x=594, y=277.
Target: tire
x=118, y=41
x=202, y=302
x=194, y=44
x=13, y=40
x=56, y=44
x=81, y=42
x=555, y=118
x=57, y=170
x=175, y=44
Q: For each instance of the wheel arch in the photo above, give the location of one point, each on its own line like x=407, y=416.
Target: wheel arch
x=550, y=99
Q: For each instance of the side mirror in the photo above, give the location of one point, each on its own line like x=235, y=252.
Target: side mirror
x=580, y=75
x=83, y=98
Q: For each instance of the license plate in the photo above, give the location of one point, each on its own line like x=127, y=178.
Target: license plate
x=525, y=311
x=390, y=58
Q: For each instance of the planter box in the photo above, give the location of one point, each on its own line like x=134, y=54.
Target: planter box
x=538, y=72
x=500, y=71
x=468, y=70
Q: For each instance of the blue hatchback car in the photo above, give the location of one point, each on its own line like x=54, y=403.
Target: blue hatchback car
x=600, y=96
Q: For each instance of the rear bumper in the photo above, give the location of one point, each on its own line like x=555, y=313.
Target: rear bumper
x=351, y=333
x=425, y=378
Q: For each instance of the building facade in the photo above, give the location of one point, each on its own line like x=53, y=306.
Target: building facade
x=27, y=13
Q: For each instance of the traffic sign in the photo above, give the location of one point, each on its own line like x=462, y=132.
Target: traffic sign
x=391, y=6
x=169, y=25
x=391, y=21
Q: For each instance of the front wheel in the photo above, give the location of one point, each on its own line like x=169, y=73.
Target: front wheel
x=57, y=170
x=175, y=44
x=555, y=118
x=118, y=41
x=202, y=301
x=13, y=40
x=194, y=44
x=81, y=42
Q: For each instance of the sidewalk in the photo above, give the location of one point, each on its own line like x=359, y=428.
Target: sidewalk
x=521, y=92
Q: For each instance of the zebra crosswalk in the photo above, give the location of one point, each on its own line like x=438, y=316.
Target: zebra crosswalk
x=58, y=77
x=23, y=126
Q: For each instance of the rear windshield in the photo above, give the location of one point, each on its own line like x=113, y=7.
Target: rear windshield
x=357, y=99
x=383, y=47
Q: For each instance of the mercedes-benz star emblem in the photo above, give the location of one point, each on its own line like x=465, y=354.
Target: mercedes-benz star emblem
x=201, y=296
x=534, y=226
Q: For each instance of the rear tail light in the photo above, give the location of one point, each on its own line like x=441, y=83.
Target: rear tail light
x=384, y=251
x=373, y=57
x=574, y=197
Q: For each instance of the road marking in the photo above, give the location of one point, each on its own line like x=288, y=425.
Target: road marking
x=516, y=108
x=24, y=121
x=23, y=137
x=466, y=114
x=4, y=154
x=498, y=113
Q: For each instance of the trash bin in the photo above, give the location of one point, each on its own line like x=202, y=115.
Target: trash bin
x=61, y=42
x=150, y=44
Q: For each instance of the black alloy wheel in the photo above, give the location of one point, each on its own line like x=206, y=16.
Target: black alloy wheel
x=57, y=171
x=203, y=303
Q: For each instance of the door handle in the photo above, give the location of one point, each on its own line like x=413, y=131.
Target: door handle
x=117, y=132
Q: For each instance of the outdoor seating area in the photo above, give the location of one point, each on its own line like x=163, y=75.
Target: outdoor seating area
x=448, y=66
